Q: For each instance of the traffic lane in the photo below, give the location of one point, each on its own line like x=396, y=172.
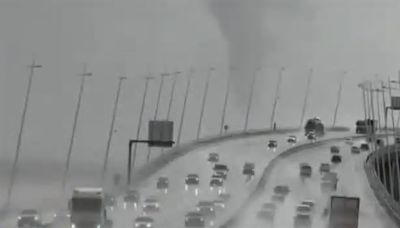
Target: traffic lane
x=232, y=153
x=352, y=182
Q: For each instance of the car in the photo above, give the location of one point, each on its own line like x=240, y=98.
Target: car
x=282, y=189
x=47, y=219
x=364, y=147
x=216, y=182
x=221, y=169
x=29, y=218
x=62, y=217
x=292, y=139
x=309, y=203
x=302, y=221
x=219, y=204
x=272, y=144
x=324, y=168
x=267, y=212
x=192, y=180
x=335, y=149
x=248, y=169
x=336, y=159
x=305, y=170
x=132, y=197
x=207, y=210
x=144, y=222
x=224, y=196
x=213, y=157
x=194, y=219
x=397, y=140
x=151, y=204
x=278, y=197
x=348, y=140
x=162, y=184
x=311, y=136
x=355, y=150
x=329, y=182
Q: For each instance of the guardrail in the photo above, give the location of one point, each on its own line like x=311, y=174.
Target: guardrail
x=383, y=196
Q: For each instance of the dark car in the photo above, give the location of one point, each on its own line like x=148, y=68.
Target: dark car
x=132, y=197
x=324, y=168
x=379, y=142
x=29, y=218
x=248, y=169
x=192, y=179
x=162, y=183
x=292, y=139
x=335, y=149
x=151, y=205
x=336, y=159
x=305, y=170
x=267, y=212
x=207, y=210
x=194, y=219
x=216, y=182
x=282, y=189
x=221, y=169
x=355, y=150
x=144, y=222
x=302, y=221
x=213, y=157
x=272, y=144
x=311, y=136
x=364, y=146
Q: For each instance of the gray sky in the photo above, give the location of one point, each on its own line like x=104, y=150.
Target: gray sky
x=135, y=37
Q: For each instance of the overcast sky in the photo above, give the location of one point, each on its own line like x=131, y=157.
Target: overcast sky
x=137, y=37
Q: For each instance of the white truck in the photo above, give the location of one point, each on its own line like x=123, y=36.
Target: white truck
x=88, y=209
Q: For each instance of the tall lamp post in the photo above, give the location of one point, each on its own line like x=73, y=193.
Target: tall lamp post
x=171, y=98
x=307, y=93
x=189, y=78
x=131, y=160
x=203, y=105
x=278, y=86
x=250, y=99
x=227, y=91
x=339, y=95
x=84, y=75
x=111, y=131
x=32, y=68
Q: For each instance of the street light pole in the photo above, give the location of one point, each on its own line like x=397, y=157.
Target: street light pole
x=159, y=93
x=75, y=123
x=204, y=102
x=184, y=106
x=171, y=98
x=111, y=131
x=32, y=68
x=377, y=91
x=391, y=176
x=395, y=150
x=276, y=98
x=228, y=85
x=131, y=160
x=339, y=95
x=303, y=111
x=250, y=100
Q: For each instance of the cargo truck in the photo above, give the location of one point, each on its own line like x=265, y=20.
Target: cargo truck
x=344, y=212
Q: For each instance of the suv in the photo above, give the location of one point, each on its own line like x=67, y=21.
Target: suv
x=29, y=218
x=305, y=170
x=221, y=170
x=213, y=157
x=272, y=144
x=162, y=183
x=311, y=136
x=248, y=169
x=336, y=159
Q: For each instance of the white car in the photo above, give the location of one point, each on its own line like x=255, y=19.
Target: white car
x=349, y=141
x=144, y=222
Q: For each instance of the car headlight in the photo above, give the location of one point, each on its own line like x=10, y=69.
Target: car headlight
x=73, y=225
x=98, y=226
x=137, y=224
x=148, y=225
x=19, y=218
x=36, y=218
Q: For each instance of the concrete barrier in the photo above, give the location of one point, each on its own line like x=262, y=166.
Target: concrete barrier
x=385, y=199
